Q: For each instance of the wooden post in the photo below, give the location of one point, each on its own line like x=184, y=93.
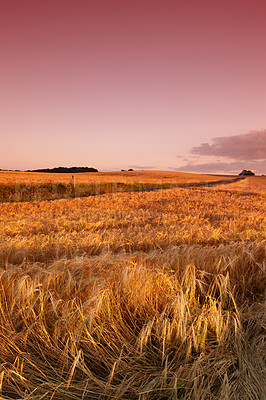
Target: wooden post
x=74, y=188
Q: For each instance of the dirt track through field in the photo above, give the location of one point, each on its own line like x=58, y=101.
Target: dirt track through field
x=185, y=186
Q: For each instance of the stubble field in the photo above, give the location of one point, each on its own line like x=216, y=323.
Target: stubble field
x=149, y=295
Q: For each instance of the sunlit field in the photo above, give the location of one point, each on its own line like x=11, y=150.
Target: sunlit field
x=141, y=295
x=27, y=186
x=11, y=177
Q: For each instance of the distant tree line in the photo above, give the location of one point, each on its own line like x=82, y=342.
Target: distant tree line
x=246, y=172
x=71, y=170
x=10, y=170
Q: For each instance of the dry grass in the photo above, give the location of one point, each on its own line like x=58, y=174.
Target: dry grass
x=154, y=295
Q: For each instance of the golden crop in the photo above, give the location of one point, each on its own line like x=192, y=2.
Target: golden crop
x=149, y=295
x=11, y=177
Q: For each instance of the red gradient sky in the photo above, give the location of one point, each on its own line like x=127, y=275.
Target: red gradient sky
x=118, y=83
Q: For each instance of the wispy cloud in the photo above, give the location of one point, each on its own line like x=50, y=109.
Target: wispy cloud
x=222, y=167
x=142, y=166
x=182, y=158
x=248, y=147
x=229, y=154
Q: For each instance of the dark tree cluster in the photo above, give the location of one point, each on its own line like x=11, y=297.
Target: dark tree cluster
x=72, y=170
x=246, y=172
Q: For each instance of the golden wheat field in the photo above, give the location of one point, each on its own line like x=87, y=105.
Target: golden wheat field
x=11, y=177
x=144, y=295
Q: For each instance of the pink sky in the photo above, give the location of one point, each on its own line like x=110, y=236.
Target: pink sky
x=118, y=83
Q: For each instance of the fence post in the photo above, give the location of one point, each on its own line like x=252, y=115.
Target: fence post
x=73, y=182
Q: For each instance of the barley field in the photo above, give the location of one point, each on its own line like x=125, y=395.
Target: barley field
x=29, y=186
x=142, y=295
x=11, y=177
